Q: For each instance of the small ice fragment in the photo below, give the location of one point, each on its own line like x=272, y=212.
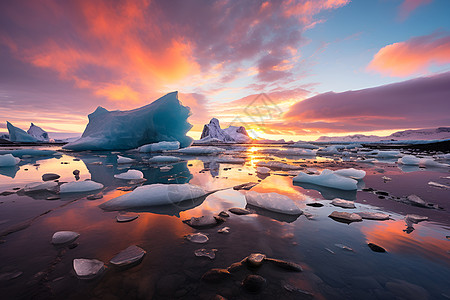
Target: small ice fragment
x=126, y=217
x=164, y=159
x=211, y=253
x=198, y=238
x=343, y=203
x=166, y=168
x=80, y=186
x=130, y=174
x=351, y=217
x=373, y=216
x=262, y=170
x=439, y=185
x=124, y=160
x=224, y=230
x=344, y=247
x=63, y=237
x=87, y=268
x=128, y=256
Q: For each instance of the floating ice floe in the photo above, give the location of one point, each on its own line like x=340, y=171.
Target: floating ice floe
x=230, y=160
x=164, y=159
x=41, y=186
x=129, y=256
x=18, y=135
x=262, y=170
x=159, y=147
x=64, y=237
x=328, y=179
x=275, y=165
x=343, y=203
x=345, y=216
x=166, y=168
x=130, y=175
x=124, y=160
x=162, y=120
x=439, y=185
x=273, y=202
x=201, y=150
x=384, y=154
x=373, y=216
x=198, y=238
x=88, y=268
x=330, y=150
x=80, y=186
x=28, y=152
x=409, y=160
x=7, y=160
x=303, y=145
x=209, y=253
x=351, y=173
x=155, y=194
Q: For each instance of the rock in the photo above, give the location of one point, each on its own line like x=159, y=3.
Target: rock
x=216, y=275
x=126, y=217
x=204, y=221
x=234, y=267
x=87, y=268
x=239, y=211
x=245, y=186
x=76, y=172
x=64, y=237
x=255, y=259
x=50, y=176
x=343, y=203
x=130, y=255
x=373, y=216
x=94, y=197
x=416, y=201
x=302, y=294
x=315, y=204
x=376, y=248
x=223, y=214
x=224, y=230
x=211, y=253
x=198, y=238
x=415, y=218
x=345, y=216
x=254, y=283
x=287, y=265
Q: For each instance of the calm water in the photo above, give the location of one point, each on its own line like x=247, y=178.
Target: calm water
x=415, y=266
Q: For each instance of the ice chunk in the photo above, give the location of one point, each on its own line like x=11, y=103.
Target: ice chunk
x=159, y=147
x=296, y=152
x=155, y=194
x=345, y=216
x=123, y=217
x=273, y=202
x=80, y=186
x=384, y=154
x=38, y=133
x=351, y=173
x=343, y=203
x=18, y=135
x=40, y=186
x=330, y=150
x=130, y=174
x=276, y=165
x=231, y=134
x=166, y=168
x=164, y=159
x=198, y=238
x=409, y=160
x=415, y=218
x=130, y=255
x=63, y=237
x=7, y=160
x=124, y=160
x=87, y=268
x=231, y=160
x=210, y=253
x=303, y=145
x=162, y=120
x=328, y=179
x=373, y=216
x=29, y=152
x=262, y=170
x=201, y=150
x=439, y=185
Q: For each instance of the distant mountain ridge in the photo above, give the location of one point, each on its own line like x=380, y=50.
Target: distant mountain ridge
x=439, y=133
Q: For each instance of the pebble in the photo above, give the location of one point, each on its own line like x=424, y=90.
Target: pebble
x=76, y=172
x=350, y=217
x=255, y=259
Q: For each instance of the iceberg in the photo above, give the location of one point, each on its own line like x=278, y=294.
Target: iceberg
x=328, y=179
x=159, y=147
x=201, y=150
x=38, y=133
x=79, y=186
x=274, y=202
x=162, y=120
x=154, y=195
x=18, y=135
x=7, y=160
x=233, y=134
x=130, y=175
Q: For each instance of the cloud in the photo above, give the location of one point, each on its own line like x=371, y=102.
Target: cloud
x=413, y=56
x=421, y=102
x=408, y=6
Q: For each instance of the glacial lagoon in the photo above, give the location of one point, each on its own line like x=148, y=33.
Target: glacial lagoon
x=334, y=255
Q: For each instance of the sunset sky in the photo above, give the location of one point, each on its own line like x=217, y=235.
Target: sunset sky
x=283, y=69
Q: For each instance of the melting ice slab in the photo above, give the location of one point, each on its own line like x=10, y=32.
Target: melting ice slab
x=155, y=194
x=273, y=202
x=328, y=178
x=162, y=120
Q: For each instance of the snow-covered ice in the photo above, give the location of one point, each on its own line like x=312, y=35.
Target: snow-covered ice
x=159, y=147
x=231, y=134
x=130, y=174
x=351, y=173
x=162, y=120
x=80, y=186
x=273, y=202
x=155, y=194
x=8, y=160
x=18, y=135
x=328, y=179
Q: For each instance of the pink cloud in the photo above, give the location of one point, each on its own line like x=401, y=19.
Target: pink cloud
x=421, y=102
x=413, y=56
x=408, y=6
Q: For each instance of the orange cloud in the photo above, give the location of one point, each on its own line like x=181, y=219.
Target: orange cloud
x=414, y=56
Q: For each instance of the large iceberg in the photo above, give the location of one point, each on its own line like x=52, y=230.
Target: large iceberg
x=233, y=134
x=38, y=133
x=18, y=135
x=162, y=120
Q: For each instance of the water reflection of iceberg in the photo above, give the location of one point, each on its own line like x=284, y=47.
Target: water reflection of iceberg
x=329, y=193
x=273, y=215
x=9, y=171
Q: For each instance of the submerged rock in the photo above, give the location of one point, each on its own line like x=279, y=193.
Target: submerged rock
x=126, y=217
x=198, y=238
x=64, y=237
x=216, y=275
x=345, y=216
x=343, y=203
x=130, y=255
x=287, y=265
x=88, y=268
x=211, y=253
x=239, y=211
x=204, y=221
x=254, y=283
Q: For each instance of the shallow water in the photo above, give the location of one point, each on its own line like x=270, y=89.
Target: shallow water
x=415, y=266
